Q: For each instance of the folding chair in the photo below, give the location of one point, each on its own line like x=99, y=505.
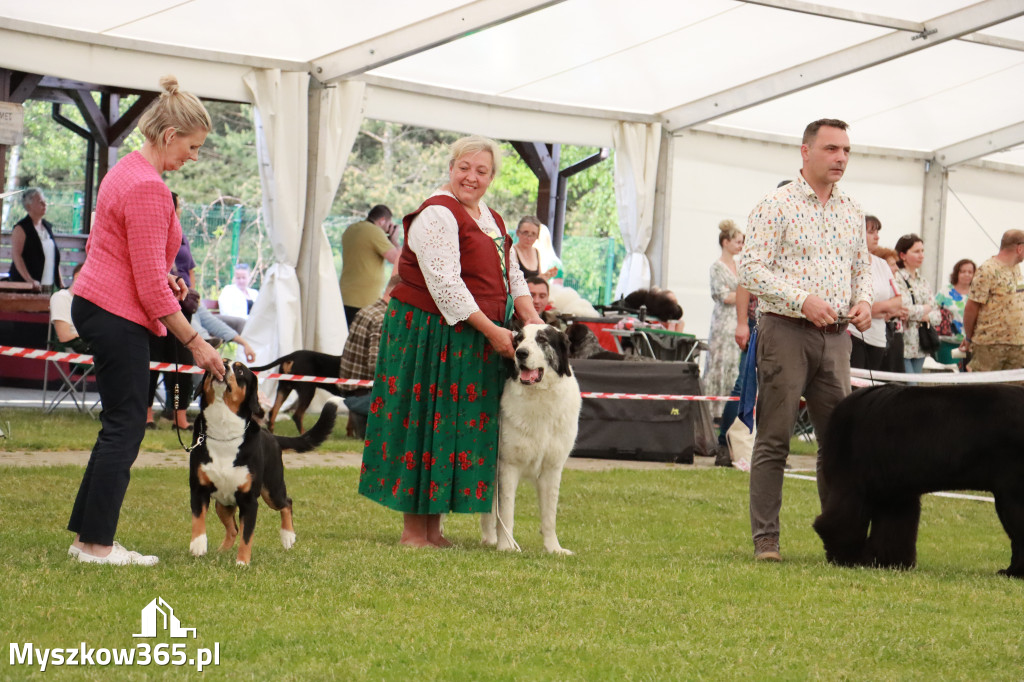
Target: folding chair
x=74, y=378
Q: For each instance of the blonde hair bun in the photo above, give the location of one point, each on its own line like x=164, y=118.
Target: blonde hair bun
x=169, y=84
x=727, y=226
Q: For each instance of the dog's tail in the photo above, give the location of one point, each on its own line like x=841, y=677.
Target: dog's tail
x=275, y=363
x=316, y=435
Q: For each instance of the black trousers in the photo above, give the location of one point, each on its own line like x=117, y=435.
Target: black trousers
x=866, y=356
x=121, y=354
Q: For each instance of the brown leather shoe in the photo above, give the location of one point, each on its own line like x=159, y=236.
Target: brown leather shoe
x=766, y=548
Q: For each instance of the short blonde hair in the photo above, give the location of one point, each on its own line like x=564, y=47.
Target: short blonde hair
x=476, y=143
x=176, y=109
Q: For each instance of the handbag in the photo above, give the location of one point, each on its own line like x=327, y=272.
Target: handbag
x=190, y=304
x=928, y=338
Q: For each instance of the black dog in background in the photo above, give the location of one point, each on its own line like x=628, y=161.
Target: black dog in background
x=888, y=445
x=302, y=363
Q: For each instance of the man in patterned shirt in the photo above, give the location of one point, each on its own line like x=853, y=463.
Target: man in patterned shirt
x=994, y=312
x=806, y=258
x=359, y=359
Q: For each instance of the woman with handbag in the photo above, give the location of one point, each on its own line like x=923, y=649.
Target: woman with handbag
x=919, y=336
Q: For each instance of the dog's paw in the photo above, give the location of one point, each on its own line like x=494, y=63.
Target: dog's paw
x=198, y=545
x=562, y=551
x=287, y=538
x=508, y=547
x=244, y=564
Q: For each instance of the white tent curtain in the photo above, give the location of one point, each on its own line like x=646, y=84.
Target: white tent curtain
x=280, y=116
x=341, y=117
x=636, y=168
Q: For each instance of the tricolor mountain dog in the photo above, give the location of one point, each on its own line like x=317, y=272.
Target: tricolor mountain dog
x=303, y=363
x=235, y=461
x=540, y=410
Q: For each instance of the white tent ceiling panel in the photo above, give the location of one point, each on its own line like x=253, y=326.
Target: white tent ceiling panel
x=95, y=16
x=123, y=68
x=411, y=108
x=571, y=53
x=917, y=102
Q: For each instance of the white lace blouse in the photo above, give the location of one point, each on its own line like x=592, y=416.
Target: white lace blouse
x=434, y=238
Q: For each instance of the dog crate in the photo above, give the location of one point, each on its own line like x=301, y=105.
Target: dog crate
x=647, y=430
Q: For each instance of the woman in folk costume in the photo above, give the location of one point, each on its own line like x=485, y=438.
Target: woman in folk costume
x=432, y=433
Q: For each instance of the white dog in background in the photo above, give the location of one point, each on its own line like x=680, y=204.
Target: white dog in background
x=540, y=410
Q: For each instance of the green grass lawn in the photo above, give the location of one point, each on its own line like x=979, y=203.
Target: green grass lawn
x=30, y=429
x=663, y=586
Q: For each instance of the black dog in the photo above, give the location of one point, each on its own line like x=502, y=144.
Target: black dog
x=888, y=445
x=235, y=461
x=303, y=363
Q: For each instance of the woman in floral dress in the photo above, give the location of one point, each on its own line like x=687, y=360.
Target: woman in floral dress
x=432, y=433
x=722, y=364
x=918, y=299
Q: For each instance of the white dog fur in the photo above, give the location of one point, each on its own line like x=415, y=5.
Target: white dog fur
x=539, y=419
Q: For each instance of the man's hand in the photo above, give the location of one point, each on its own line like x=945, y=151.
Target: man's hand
x=860, y=316
x=742, y=335
x=820, y=312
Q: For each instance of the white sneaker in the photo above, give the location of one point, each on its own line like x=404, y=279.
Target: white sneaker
x=73, y=552
x=119, y=556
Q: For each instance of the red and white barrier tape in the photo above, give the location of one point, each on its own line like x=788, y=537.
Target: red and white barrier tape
x=78, y=358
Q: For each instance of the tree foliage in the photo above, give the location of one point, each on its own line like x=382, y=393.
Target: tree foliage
x=393, y=164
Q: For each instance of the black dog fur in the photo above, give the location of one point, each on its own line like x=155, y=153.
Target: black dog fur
x=888, y=445
x=305, y=363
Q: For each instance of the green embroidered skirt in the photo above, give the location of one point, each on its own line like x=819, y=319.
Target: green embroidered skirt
x=432, y=433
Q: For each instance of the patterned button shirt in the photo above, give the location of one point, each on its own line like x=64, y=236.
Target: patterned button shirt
x=999, y=289
x=795, y=247
x=359, y=358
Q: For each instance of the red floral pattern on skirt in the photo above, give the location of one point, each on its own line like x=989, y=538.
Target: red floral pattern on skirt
x=435, y=398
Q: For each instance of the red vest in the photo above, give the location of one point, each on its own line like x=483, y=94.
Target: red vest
x=481, y=265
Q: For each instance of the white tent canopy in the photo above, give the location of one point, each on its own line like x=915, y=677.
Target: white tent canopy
x=928, y=86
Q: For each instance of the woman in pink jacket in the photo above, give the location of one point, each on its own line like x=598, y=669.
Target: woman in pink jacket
x=122, y=295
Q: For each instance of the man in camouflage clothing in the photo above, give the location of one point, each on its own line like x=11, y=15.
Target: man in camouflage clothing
x=994, y=312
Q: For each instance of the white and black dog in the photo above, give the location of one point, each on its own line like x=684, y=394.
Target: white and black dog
x=540, y=410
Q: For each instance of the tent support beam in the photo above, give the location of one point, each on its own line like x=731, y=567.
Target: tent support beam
x=309, y=247
x=543, y=160
x=658, y=249
x=981, y=145
x=421, y=36
x=856, y=58
x=933, y=217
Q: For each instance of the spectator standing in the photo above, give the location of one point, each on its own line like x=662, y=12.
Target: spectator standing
x=918, y=300
x=869, y=347
x=124, y=293
x=994, y=314
x=236, y=299
x=722, y=363
x=35, y=257
x=807, y=261
x=365, y=246
x=952, y=301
